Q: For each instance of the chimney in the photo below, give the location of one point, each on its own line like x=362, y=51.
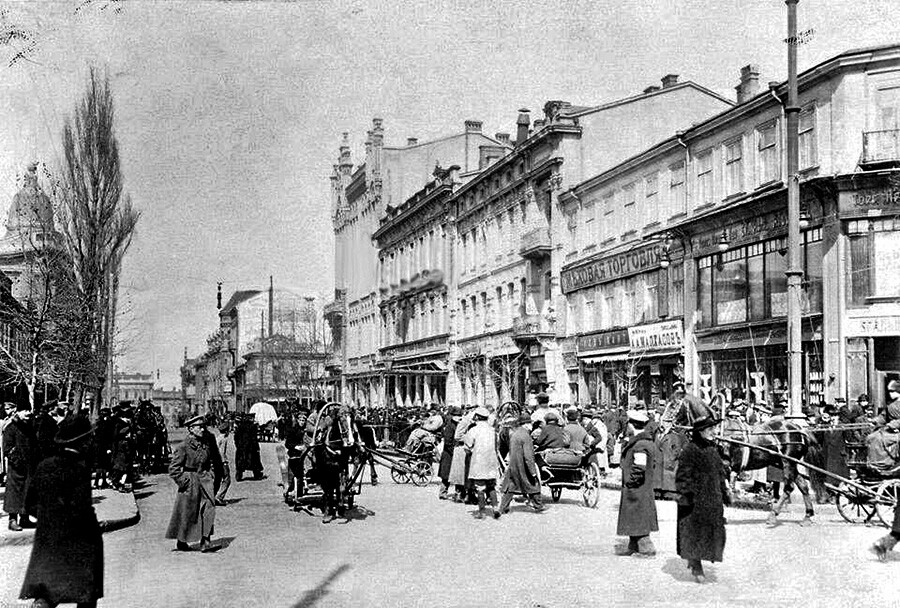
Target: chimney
x=271, y=303
x=473, y=126
x=522, y=126
x=411, y=141
x=669, y=80
x=651, y=89
x=218, y=299
x=749, y=85
x=503, y=138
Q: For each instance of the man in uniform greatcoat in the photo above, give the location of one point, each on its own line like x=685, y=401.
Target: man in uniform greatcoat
x=637, y=508
x=66, y=564
x=193, y=467
x=521, y=475
x=20, y=447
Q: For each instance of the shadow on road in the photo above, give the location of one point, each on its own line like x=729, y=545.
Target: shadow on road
x=312, y=597
x=142, y=495
x=357, y=513
x=96, y=499
x=677, y=569
x=231, y=501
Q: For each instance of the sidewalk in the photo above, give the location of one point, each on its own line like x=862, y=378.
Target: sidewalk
x=115, y=511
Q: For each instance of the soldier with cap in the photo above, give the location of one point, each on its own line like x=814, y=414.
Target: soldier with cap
x=193, y=467
x=637, y=508
x=522, y=476
x=66, y=564
x=22, y=457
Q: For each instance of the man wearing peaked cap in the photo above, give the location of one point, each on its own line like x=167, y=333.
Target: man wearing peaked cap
x=481, y=444
x=637, y=506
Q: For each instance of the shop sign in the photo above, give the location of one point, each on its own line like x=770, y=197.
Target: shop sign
x=869, y=200
x=749, y=230
x=611, y=268
x=667, y=335
x=602, y=340
x=873, y=326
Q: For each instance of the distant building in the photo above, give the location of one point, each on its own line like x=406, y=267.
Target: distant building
x=132, y=387
x=172, y=405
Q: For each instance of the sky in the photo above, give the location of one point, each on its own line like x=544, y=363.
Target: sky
x=229, y=114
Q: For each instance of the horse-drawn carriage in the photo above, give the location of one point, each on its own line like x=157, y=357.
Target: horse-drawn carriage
x=567, y=469
x=872, y=489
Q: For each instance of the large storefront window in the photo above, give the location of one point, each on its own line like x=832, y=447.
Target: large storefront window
x=749, y=283
x=874, y=259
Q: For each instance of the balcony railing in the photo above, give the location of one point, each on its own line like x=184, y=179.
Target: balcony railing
x=881, y=147
x=535, y=243
x=531, y=327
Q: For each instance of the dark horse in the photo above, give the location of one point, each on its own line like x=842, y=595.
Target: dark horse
x=781, y=436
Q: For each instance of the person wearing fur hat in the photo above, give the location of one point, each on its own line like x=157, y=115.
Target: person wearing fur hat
x=522, y=476
x=637, y=507
x=66, y=564
x=702, y=485
x=22, y=457
x=481, y=444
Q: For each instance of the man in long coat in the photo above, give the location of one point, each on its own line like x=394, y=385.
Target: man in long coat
x=66, y=564
x=481, y=443
x=459, y=465
x=123, y=448
x=193, y=469
x=20, y=448
x=246, y=449
x=521, y=475
x=451, y=419
x=637, y=508
x=702, y=486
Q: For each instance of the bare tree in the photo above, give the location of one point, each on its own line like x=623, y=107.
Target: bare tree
x=97, y=221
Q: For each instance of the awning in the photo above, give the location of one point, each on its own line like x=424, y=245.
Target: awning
x=606, y=358
x=653, y=354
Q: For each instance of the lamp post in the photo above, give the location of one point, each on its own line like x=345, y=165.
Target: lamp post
x=794, y=271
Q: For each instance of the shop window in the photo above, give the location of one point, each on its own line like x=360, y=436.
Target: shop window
x=874, y=259
x=704, y=291
x=730, y=288
x=756, y=286
x=676, y=290
x=812, y=271
x=776, y=281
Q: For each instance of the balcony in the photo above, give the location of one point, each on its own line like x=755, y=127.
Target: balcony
x=535, y=244
x=531, y=327
x=881, y=149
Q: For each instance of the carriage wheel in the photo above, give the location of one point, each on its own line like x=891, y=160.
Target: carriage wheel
x=399, y=475
x=555, y=493
x=590, y=486
x=421, y=474
x=854, y=506
x=886, y=501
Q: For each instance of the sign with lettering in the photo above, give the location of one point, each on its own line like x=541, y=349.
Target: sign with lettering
x=667, y=335
x=610, y=268
x=863, y=202
x=749, y=230
x=602, y=340
x=872, y=326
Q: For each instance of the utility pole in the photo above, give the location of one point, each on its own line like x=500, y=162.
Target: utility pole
x=794, y=271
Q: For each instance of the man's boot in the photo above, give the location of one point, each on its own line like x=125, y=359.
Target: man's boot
x=645, y=547
x=630, y=549
x=442, y=495
x=13, y=524
x=881, y=547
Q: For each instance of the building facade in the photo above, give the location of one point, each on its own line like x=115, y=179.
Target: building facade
x=387, y=177
x=132, y=387
x=687, y=274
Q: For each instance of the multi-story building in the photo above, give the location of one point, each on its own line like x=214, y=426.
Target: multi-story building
x=675, y=259
x=415, y=293
x=132, y=386
x=387, y=177
x=509, y=237
x=268, y=344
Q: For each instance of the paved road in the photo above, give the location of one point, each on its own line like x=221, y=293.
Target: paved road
x=405, y=548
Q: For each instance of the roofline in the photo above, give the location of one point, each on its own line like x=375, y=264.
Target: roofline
x=445, y=138
x=642, y=96
x=765, y=98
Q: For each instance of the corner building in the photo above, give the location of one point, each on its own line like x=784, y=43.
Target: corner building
x=676, y=258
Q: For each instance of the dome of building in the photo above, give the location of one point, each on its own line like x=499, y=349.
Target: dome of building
x=31, y=208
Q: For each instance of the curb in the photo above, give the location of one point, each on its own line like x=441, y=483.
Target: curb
x=111, y=525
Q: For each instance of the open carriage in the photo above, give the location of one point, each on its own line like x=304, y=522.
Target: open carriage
x=871, y=491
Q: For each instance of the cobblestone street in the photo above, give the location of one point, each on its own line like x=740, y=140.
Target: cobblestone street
x=403, y=547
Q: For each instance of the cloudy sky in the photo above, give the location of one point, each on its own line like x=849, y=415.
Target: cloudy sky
x=230, y=113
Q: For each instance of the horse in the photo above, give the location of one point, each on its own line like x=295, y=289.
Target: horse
x=782, y=436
